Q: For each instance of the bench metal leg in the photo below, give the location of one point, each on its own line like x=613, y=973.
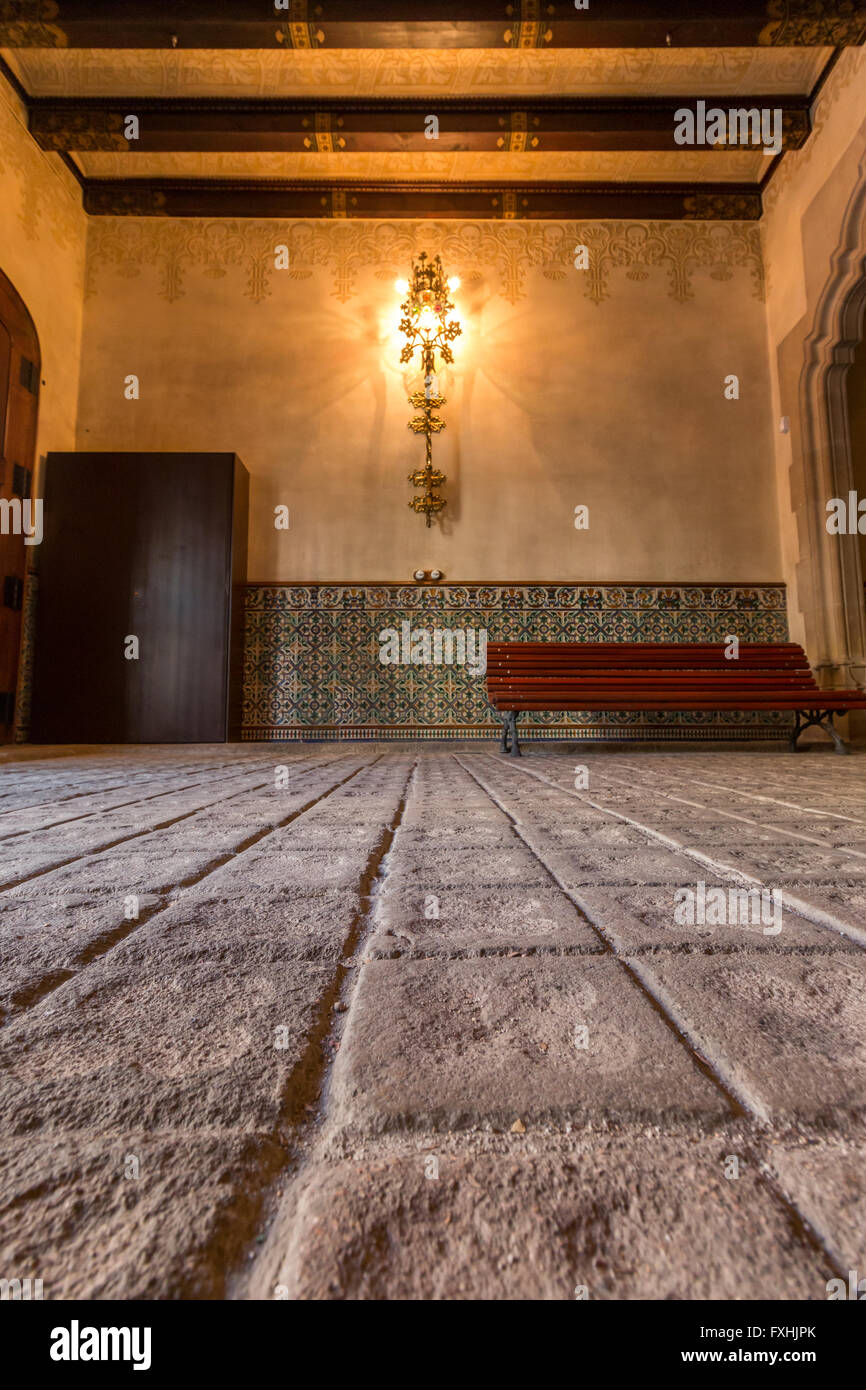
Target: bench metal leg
x=509, y=735
x=818, y=720
x=515, y=746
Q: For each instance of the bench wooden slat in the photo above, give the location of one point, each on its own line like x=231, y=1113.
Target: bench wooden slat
x=606, y=664
x=638, y=663
x=776, y=647
x=653, y=648
x=657, y=678
x=654, y=692
x=609, y=664
x=596, y=703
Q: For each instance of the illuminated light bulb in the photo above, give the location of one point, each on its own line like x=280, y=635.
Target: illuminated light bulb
x=427, y=319
x=401, y=286
x=454, y=282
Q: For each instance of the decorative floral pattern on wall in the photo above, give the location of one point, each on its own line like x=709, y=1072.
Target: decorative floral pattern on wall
x=682, y=251
x=313, y=668
x=46, y=198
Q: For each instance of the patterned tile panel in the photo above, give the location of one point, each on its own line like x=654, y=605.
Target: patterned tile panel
x=313, y=667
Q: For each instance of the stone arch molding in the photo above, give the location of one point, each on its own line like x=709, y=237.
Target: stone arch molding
x=829, y=574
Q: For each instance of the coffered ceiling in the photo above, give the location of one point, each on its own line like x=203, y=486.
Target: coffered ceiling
x=306, y=110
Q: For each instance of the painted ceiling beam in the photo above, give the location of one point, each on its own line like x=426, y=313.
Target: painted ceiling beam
x=314, y=126
x=348, y=198
x=341, y=24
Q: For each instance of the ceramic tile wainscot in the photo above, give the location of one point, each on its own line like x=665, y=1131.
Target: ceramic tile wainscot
x=317, y=666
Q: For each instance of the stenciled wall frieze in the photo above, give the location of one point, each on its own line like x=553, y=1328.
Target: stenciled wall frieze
x=175, y=247
x=47, y=196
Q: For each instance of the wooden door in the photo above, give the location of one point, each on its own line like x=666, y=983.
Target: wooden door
x=19, y=399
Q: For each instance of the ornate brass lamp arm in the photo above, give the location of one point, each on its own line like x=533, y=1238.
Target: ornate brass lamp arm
x=428, y=331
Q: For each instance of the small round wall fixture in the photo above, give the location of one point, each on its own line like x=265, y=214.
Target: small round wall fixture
x=436, y=575
x=419, y=576
x=422, y=576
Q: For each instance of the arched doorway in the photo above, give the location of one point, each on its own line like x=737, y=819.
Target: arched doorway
x=20, y=365
x=814, y=362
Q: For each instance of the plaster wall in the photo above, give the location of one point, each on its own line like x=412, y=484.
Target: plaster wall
x=602, y=388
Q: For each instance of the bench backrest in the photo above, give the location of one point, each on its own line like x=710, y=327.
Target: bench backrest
x=554, y=666
x=682, y=656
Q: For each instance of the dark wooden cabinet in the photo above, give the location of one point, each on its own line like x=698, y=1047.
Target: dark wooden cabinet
x=148, y=546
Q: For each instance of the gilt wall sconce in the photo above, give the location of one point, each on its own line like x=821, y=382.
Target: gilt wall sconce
x=429, y=329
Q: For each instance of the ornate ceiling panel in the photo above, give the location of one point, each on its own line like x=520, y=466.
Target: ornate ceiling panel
x=682, y=166
x=699, y=72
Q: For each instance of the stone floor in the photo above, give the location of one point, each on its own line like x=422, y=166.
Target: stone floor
x=356, y=1021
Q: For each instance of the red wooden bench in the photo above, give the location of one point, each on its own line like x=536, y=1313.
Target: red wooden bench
x=589, y=676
